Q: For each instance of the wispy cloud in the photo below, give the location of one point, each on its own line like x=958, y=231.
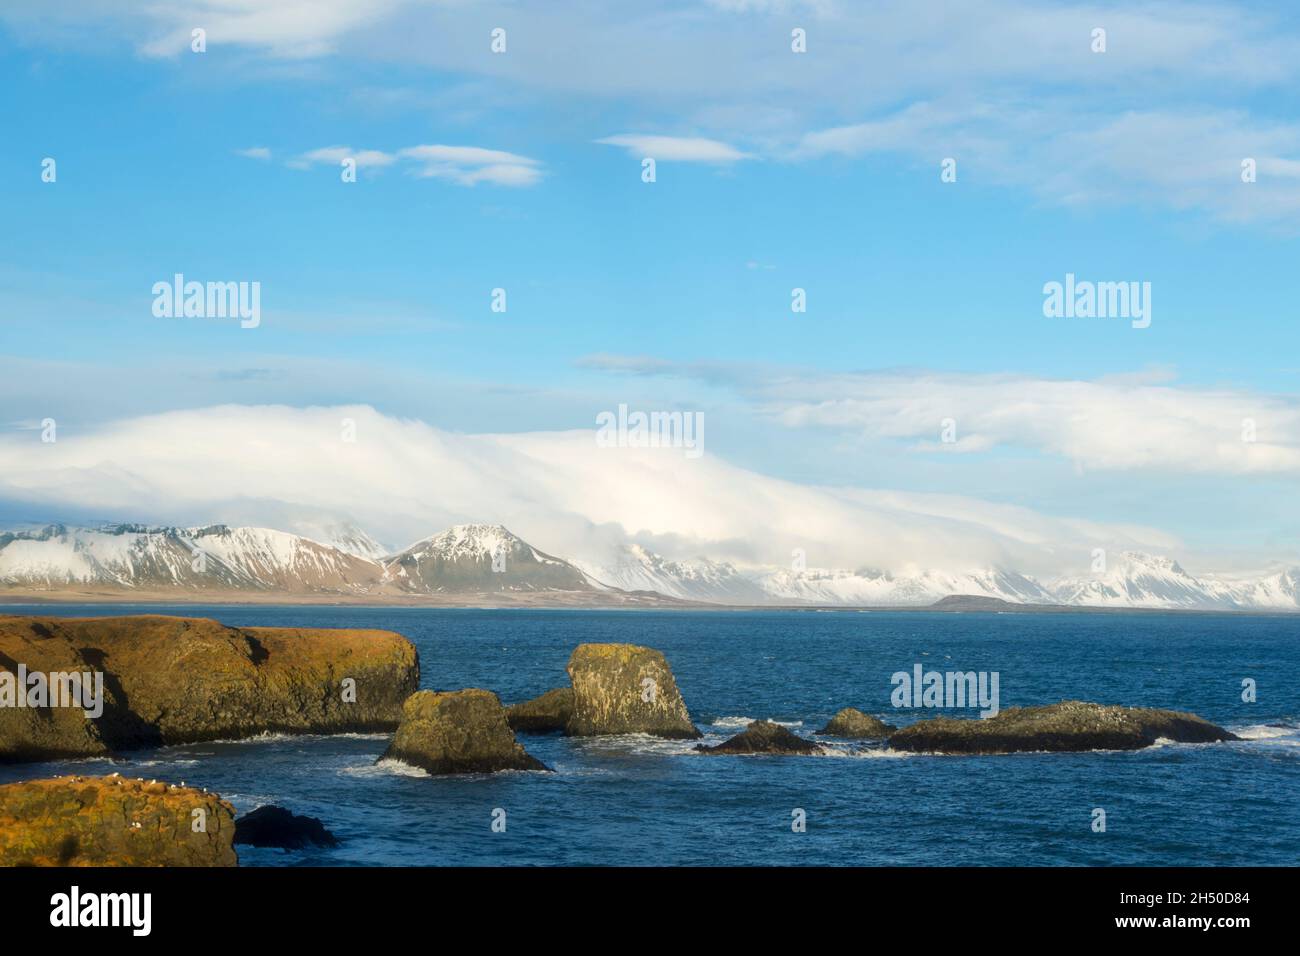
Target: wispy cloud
x=462, y=165
x=1116, y=423
x=334, y=155
x=680, y=149
x=470, y=165
x=254, y=152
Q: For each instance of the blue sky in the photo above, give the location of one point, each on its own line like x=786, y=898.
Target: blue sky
x=1115, y=167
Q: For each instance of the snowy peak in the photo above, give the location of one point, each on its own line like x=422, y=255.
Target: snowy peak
x=636, y=568
x=883, y=589
x=474, y=559
x=1136, y=579
x=480, y=557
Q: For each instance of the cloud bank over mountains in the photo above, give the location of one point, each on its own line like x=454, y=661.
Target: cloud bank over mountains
x=400, y=479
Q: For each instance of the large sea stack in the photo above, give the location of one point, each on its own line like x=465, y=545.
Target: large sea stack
x=462, y=731
x=625, y=689
x=113, y=821
x=172, y=680
x=1069, y=725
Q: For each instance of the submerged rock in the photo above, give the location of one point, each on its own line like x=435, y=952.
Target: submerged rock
x=625, y=689
x=113, y=821
x=172, y=680
x=763, y=737
x=851, y=722
x=546, y=714
x=272, y=826
x=1069, y=725
x=462, y=731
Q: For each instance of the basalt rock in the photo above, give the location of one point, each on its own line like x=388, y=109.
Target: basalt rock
x=851, y=722
x=546, y=714
x=113, y=821
x=1070, y=725
x=625, y=689
x=272, y=826
x=763, y=737
x=462, y=731
x=172, y=680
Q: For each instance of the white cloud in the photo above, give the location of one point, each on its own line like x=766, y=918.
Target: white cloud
x=1109, y=425
x=1077, y=155
x=286, y=28
x=403, y=479
x=1121, y=422
x=469, y=165
x=463, y=165
x=682, y=149
x=254, y=152
x=334, y=155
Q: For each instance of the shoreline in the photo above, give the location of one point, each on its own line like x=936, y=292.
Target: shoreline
x=572, y=601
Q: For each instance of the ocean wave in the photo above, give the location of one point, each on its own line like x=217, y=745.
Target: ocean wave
x=1274, y=731
x=386, y=767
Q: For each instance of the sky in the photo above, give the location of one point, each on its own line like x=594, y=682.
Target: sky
x=521, y=169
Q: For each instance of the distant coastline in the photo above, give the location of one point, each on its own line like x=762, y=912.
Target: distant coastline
x=571, y=600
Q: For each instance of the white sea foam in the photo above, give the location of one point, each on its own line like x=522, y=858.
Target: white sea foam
x=1265, y=731
x=746, y=721
x=384, y=768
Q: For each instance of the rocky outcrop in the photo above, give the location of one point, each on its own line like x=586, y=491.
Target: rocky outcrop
x=112, y=821
x=1069, y=725
x=546, y=714
x=462, y=731
x=272, y=826
x=763, y=737
x=851, y=722
x=625, y=689
x=170, y=680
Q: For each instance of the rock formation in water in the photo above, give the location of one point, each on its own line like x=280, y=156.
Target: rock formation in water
x=851, y=722
x=549, y=713
x=625, y=689
x=462, y=731
x=1069, y=725
x=171, y=680
x=113, y=821
x=272, y=826
x=763, y=737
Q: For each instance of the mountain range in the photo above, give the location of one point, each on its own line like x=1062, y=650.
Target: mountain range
x=480, y=563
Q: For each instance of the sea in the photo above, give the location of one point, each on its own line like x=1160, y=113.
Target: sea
x=640, y=801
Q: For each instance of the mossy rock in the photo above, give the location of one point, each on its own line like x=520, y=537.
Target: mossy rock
x=851, y=722
x=549, y=713
x=462, y=731
x=113, y=821
x=625, y=689
x=175, y=680
x=1071, y=725
x=764, y=737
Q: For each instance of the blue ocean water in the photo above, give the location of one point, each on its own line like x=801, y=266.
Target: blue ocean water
x=640, y=801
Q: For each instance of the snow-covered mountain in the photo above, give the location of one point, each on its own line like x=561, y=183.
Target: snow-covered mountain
x=635, y=568
x=1134, y=579
x=478, y=558
x=215, y=557
x=475, y=559
x=883, y=589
